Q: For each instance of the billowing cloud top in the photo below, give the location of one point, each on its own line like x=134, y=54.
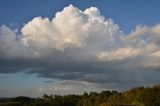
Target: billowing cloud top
x=82, y=46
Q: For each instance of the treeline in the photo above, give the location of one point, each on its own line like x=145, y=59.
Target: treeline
x=139, y=96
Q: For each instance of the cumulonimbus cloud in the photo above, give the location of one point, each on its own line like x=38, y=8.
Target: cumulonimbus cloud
x=80, y=45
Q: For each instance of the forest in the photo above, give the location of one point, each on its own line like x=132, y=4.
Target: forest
x=138, y=96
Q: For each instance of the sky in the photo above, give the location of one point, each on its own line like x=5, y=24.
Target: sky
x=73, y=46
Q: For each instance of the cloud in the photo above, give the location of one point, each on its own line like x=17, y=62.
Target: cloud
x=82, y=46
x=120, y=54
x=69, y=86
x=70, y=28
x=2, y=91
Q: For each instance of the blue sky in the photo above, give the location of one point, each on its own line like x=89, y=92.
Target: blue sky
x=79, y=49
x=126, y=13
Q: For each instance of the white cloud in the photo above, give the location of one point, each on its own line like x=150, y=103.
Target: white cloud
x=10, y=47
x=120, y=54
x=156, y=54
x=70, y=28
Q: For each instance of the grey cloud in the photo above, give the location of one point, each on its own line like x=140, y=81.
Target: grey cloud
x=49, y=81
x=2, y=91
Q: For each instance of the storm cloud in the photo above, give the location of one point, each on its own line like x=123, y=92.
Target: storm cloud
x=82, y=46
